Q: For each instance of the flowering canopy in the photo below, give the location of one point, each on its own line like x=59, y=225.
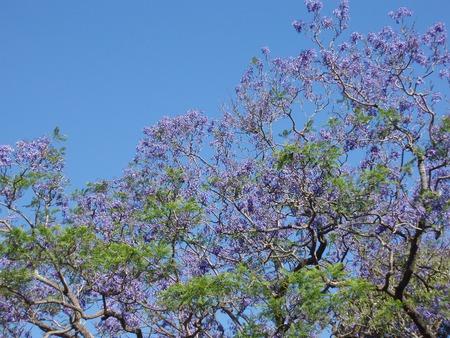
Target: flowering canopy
x=318, y=202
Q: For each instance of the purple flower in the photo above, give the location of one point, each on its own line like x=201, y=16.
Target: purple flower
x=400, y=13
x=110, y=325
x=341, y=13
x=313, y=5
x=299, y=25
x=435, y=35
x=436, y=97
x=444, y=73
x=5, y=152
x=327, y=22
x=216, y=250
x=344, y=46
x=421, y=59
x=355, y=36
x=265, y=50
x=305, y=59
x=328, y=57
x=204, y=266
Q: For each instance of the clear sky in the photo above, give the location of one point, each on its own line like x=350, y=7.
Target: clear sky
x=103, y=69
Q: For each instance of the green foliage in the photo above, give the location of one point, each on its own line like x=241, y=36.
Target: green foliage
x=362, y=117
x=97, y=187
x=157, y=209
x=58, y=136
x=303, y=297
x=200, y=293
x=15, y=243
x=374, y=178
x=254, y=60
x=445, y=124
x=391, y=116
x=310, y=154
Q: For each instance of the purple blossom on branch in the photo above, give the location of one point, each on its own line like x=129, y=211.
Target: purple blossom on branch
x=313, y=5
x=299, y=25
x=400, y=14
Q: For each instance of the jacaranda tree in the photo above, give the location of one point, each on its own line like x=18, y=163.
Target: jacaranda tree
x=318, y=202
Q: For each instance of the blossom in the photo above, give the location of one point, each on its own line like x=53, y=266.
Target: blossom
x=436, y=97
x=5, y=152
x=400, y=13
x=298, y=25
x=444, y=73
x=327, y=22
x=313, y=5
x=265, y=50
x=341, y=13
x=355, y=36
x=436, y=35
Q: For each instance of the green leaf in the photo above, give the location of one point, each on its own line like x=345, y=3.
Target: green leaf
x=57, y=136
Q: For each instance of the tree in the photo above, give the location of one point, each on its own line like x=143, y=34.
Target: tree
x=319, y=201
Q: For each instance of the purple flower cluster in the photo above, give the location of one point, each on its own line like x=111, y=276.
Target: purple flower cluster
x=400, y=14
x=5, y=152
x=313, y=5
x=341, y=13
x=299, y=25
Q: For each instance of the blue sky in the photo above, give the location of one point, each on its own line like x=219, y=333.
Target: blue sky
x=103, y=69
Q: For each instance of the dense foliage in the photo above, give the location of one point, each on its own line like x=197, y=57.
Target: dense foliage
x=319, y=202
